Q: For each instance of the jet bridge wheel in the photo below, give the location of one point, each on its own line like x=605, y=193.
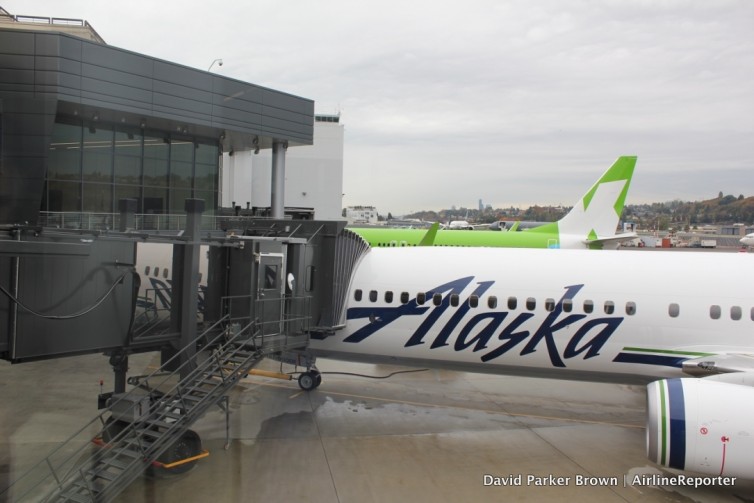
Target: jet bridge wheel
x=187, y=446
x=309, y=380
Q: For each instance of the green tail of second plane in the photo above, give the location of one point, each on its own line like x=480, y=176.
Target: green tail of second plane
x=591, y=223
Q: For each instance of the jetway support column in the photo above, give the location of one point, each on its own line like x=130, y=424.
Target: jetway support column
x=185, y=285
x=277, y=199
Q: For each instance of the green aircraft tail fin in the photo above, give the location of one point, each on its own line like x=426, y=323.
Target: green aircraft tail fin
x=429, y=237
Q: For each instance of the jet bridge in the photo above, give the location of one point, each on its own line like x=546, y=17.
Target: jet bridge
x=270, y=285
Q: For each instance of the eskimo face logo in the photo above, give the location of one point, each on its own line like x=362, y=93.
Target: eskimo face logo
x=478, y=330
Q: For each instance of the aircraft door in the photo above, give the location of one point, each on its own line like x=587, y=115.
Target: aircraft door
x=271, y=292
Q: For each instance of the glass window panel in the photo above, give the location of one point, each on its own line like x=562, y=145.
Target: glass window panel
x=155, y=147
x=155, y=172
x=98, y=198
x=127, y=169
x=206, y=154
x=97, y=164
x=182, y=151
x=205, y=177
x=178, y=200
x=492, y=302
x=63, y=196
x=128, y=143
x=64, y=160
x=357, y=295
x=181, y=174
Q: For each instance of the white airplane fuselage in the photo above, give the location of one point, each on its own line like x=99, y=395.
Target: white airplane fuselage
x=623, y=316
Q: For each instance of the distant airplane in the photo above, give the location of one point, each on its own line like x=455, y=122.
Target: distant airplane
x=681, y=322
x=591, y=223
x=747, y=240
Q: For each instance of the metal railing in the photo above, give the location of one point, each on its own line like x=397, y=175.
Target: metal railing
x=78, y=452
x=89, y=221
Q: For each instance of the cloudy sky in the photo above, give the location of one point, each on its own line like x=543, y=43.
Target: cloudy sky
x=514, y=102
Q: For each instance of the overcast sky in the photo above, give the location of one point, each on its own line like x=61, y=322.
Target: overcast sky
x=512, y=102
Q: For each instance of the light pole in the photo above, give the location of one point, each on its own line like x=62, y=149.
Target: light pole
x=218, y=61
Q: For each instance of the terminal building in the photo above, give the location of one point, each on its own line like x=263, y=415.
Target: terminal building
x=85, y=125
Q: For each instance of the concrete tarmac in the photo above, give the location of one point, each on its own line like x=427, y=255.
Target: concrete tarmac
x=421, y=436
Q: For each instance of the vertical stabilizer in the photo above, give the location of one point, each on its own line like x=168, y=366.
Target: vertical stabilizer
x=596, y=215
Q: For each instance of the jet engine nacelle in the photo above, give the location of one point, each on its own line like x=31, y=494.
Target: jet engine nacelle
x=701, y=425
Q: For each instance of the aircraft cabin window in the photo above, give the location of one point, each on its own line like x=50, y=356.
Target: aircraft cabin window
x=421, y=298
x=752, y=314
x=270, y=278
x=156, y=272
x=388, y=297
x=165, y=273
x=309, y=286
x=473, y=301
x=357, y=295
x=531, y=303
x=454, y=299
x=674, y=310
x=609, y=307
x=567, y=305
x=588, y=306
x=437, y=299
x=630, y=308
x=714, y=312
x=735, y=313
x=512, y=303
x=492, y=303
x=146, y=271
x=373, y=295
x=404, y=297
x=550, y=305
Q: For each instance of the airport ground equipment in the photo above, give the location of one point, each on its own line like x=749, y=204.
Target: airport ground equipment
x=270, y=285
x=151, y=422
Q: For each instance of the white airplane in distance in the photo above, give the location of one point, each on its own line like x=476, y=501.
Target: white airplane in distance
x=747, y=240
x=680, y=322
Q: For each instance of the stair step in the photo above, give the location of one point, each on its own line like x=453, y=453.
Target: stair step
x=102, y=473
x=160, y=424
x=146, y=432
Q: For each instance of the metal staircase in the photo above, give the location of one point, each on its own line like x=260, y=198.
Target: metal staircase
x=150, y=420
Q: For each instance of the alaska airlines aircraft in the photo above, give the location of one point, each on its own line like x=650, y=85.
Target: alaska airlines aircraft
x=681, y=322
x=590, y=224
